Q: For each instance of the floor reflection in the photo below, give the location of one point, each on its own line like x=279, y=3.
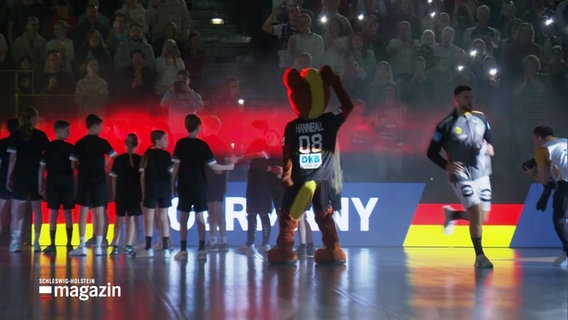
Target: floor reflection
x=376, y=283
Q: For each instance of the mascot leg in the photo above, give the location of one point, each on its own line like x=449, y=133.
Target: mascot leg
x=284, y=251
x=332, y=252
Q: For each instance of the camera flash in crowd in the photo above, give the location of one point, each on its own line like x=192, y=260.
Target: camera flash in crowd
x=548, y=21
x=429, y=1
x=232, y=145
x=432, y=14
x=473, y=53
x=460, y=67
x=360, y=17
x=323, y=19
x=493, y=72
x=241, y=102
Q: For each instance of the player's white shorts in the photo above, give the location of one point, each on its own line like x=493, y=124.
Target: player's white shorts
x=474, y=192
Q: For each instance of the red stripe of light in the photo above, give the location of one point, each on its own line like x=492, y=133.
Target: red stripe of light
x=501, y=214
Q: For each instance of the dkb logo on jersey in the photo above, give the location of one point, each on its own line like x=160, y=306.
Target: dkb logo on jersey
x=310, y=161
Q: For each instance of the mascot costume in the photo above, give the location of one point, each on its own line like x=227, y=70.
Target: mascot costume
x=309, y=166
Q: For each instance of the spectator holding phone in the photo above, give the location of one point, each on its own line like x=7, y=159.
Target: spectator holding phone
x=180, y=99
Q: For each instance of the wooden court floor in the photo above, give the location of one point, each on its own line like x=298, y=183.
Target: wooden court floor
x=375, y=283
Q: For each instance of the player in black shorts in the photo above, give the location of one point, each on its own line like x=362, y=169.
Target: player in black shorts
x=127, y=193
x=156, y=169
x=59, y=186
x=264, y=186
x=191, y=154
x=90, y=156
x=26, y=148
x=216, y=185
x=5, y=195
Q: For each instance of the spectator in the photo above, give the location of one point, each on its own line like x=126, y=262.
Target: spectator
x=375, y=37
x=181, y=100
x=302, y=61
x=135, y=41
x=118, y=33
x=91, y=20
x=231, y=96
x=537, y=16
x=511, y=34
x=19, y=19
x=388, y=124
x=136, y=81
x=194, y=59
x=167, y=66
x=306, y=41
x=382, y=76
x=330, y=9
x=335, y=43
x=428, y=38
x=94, y=47
x=63, y=45
x=402, y=51
x=54, y=80
x=62, y=13
x=91, y=92
x=163, y=11
x=506, y=18
x=477, y=52
x=6, y=62
x=32, y=43
x=444, y=52
x=558, y=71
x=532, y=103
x=443, y=20
x=24, y=76
x=461, y=72
x=282, y=31
x=403, y=11
x=518, y=50
x=483, y=31
x=169, y=32
x=464, y=17
x=134, y=12
x=358, y=66
x=489, y=82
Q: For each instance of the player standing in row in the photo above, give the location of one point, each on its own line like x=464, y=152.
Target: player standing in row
x=5, y=195
x=26, y=148
x=59, y=187
x=91, y=155
x=127, y=193
x=191, y=154
x=156, y=169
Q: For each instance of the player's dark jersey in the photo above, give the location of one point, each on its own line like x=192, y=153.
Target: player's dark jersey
x=57, y=159
x=28, y=152
x=126, y=169
x=192, y=154
x=464, y=138
x=159, y=165
x=4, y=159
x=311, y=144
x=90, y=152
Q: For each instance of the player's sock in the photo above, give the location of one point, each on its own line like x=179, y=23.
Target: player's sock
x=183, y=245
x=52, y=237
x=477, y=245
x=148, y=243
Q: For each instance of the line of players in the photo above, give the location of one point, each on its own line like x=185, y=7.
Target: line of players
x=35, y=168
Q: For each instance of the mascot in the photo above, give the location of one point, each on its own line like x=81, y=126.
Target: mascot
x=309, y=166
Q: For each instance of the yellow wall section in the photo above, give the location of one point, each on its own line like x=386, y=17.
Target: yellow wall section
x=433, y=236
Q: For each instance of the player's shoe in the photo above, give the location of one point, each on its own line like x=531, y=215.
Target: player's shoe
x=81, y=251
x=561, y=261
x=182, y=255
x=246, y=249
x=481, y=262
x=146, y=253
x=449, y=223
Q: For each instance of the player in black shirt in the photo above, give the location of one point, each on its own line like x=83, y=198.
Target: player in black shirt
x=127, y=193
x=191, y=154
x=59, y=187
x=264, y=186
x=26, y=148
x=5, y=195
x=156, y=170
x=90, y=156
